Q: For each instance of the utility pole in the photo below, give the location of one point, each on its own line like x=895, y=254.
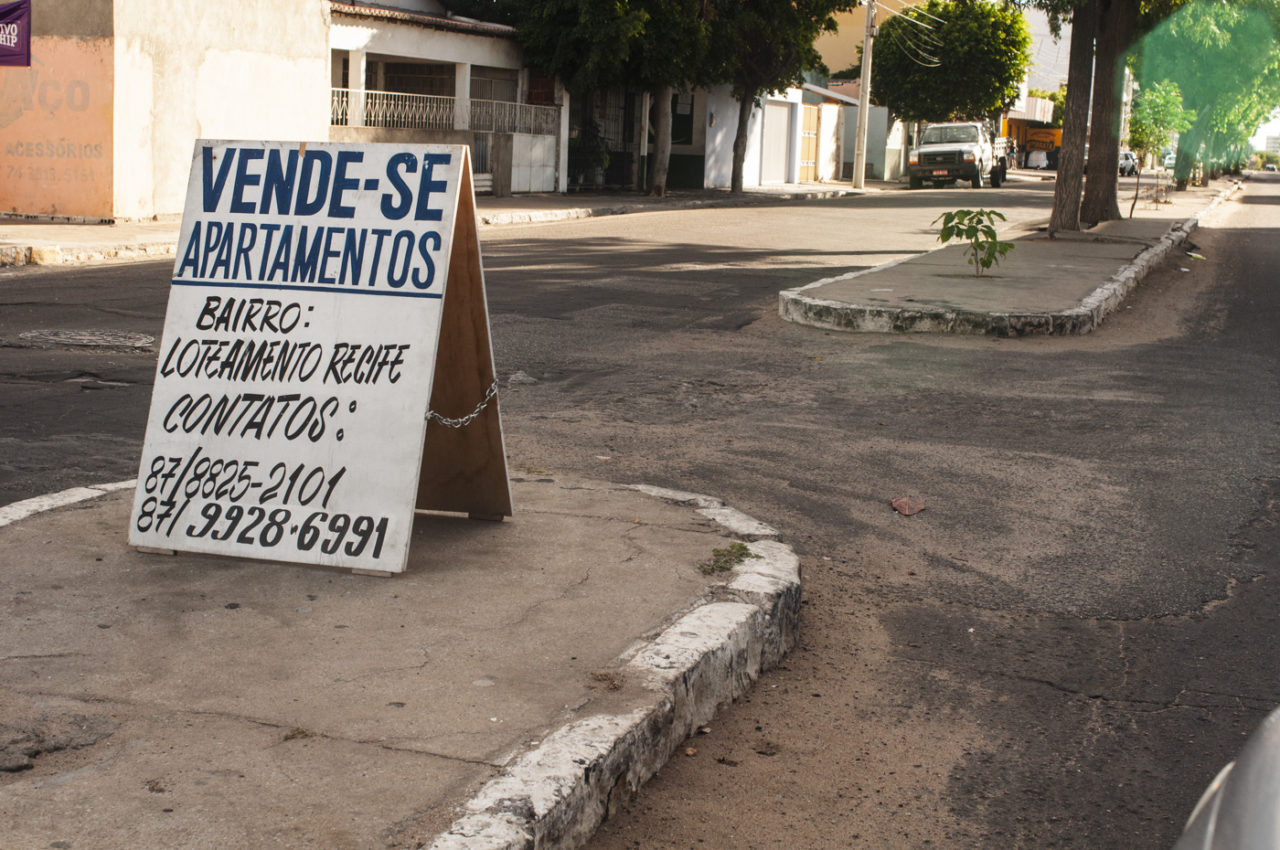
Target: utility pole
x=864, y=99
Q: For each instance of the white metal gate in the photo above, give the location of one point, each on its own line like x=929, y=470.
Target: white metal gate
x=776, y=150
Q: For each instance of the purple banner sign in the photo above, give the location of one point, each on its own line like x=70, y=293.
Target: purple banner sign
x=15, y=33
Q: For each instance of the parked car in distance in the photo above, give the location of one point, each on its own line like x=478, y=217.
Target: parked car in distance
x=1128, y=164
x=1169, y=160
x=1270, y=166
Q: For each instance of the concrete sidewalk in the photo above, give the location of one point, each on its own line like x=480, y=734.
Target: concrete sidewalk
x=41, y=242
x=496, y=694
x=1066, y=284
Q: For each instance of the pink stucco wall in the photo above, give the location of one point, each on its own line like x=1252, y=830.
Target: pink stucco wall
x=56, y=130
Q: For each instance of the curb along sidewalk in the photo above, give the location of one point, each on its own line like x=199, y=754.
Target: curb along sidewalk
x=1067, y=284
x=40, y=242
x=497, y=696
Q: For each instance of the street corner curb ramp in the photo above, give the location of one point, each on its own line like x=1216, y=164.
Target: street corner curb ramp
x=558, y=793
x=794, y=305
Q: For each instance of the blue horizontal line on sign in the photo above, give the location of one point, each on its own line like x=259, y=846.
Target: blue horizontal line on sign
x=335, y=289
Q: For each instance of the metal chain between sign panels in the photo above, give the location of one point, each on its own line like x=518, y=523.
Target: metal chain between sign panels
x=466, y=420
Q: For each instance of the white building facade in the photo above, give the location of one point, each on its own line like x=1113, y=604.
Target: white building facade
x=102, y=125
x=414, y=73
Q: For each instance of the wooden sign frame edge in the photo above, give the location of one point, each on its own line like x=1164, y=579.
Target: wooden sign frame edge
x=464, y=470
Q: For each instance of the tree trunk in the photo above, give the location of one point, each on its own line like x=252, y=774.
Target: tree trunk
x=1075, y=121
x=662, y=140
x=1117, y=20
x=1189, y=146
x=745, y=105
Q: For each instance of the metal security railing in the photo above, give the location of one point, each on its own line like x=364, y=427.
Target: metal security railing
x=351, y=107
x=500, y=116
x=340, y=107
x=480, y=152
x=391, y=109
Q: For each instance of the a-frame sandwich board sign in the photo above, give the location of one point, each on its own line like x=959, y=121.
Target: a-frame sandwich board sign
x=326, y=299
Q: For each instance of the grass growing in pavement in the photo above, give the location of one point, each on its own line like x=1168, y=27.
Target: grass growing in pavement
x=723, y=560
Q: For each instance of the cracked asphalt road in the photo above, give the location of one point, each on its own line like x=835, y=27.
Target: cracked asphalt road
x=1061, y=650
x=72, y=416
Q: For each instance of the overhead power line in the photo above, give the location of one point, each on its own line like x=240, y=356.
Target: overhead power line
x=907, y=17
x=914, y=52
x=906, y=7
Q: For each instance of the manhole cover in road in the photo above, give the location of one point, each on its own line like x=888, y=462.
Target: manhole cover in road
x=87, y=339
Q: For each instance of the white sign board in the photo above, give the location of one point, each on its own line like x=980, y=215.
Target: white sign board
x=295, y=372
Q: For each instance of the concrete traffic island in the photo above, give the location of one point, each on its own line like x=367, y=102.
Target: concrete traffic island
x=499, y=694
x=1062, y=285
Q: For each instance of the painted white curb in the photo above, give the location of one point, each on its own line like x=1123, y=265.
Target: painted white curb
x=558, y=793
x=11, y=513
x=795, y=306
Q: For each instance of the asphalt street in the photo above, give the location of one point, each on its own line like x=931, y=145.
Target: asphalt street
x=1059, y=651
x=73, y=414
x=77, y=370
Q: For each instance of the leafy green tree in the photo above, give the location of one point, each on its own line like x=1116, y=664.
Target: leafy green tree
x=758, y=46
x=587, y=44
x=1157, y=114
x=1225, y=60
x=658, y=45
x=670, y=54
x=960, y=59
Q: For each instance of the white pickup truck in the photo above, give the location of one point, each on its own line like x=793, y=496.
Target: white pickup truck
x=960, y=151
